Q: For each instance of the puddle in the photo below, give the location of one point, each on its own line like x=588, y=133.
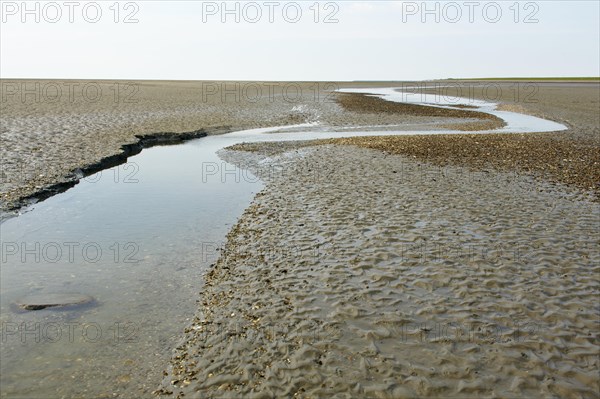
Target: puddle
x=137, y=238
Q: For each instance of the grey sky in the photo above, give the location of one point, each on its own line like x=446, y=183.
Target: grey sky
x=385, y=40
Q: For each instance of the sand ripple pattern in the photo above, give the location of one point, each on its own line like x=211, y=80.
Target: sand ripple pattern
x=361, y=274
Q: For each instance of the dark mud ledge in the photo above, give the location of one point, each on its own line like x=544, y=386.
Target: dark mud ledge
x=127, y=150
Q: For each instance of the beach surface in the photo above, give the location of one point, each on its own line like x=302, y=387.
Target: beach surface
x=54, y=132
x=430, y=266
x=462, y=265
x=361, y=274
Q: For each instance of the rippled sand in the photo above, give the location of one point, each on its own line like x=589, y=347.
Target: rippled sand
x=361, y=274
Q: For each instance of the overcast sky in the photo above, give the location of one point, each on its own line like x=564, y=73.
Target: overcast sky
x=341, y=40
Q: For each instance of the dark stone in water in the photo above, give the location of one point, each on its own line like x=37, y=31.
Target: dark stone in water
x=43, y=301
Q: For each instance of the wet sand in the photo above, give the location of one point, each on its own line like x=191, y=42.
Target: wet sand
x=437, y=267
x=566, y=160
x=361, y=274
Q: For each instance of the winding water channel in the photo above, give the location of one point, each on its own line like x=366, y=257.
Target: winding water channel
x=136, y=238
